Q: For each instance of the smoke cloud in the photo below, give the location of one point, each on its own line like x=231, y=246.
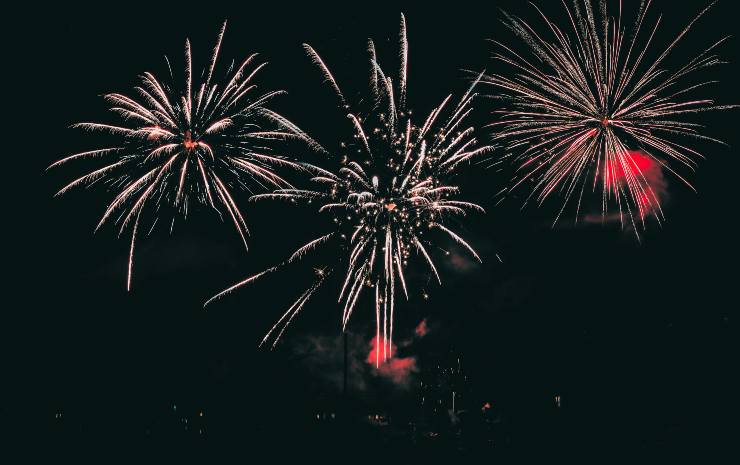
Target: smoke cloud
x=324, y=356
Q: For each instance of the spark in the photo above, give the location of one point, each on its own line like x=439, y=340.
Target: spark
x=184, y=146
x=585, y=97
x=389, y=195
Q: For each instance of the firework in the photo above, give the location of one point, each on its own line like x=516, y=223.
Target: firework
x=586, y=98
x=184, y=146
x=389, y=196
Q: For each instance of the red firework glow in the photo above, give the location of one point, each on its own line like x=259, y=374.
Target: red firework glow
x=422, y=328
x=396, y=369
x=637, y=166
x=637, y=162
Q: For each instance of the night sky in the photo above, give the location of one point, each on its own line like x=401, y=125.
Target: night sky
x=635, y=337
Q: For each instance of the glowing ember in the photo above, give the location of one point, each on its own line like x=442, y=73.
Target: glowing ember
x=188, y=143
x=422, y=328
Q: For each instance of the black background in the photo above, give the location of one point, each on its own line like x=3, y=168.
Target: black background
x=637, y=337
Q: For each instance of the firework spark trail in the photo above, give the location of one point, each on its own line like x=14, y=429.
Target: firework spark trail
x=581, y=99
x=195, y=145
x=389, y=195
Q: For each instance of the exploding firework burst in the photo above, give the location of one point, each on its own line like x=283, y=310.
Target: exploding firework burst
x=585, y=98
x=180, y=146
x=389, y=197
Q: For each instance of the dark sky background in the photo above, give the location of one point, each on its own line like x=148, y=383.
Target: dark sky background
x=636, y=337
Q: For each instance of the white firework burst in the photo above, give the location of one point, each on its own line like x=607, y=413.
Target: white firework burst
x=390, y=198
x=190, y=144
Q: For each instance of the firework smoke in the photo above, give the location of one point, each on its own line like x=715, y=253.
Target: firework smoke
x=323, y=356
x=396, y=369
